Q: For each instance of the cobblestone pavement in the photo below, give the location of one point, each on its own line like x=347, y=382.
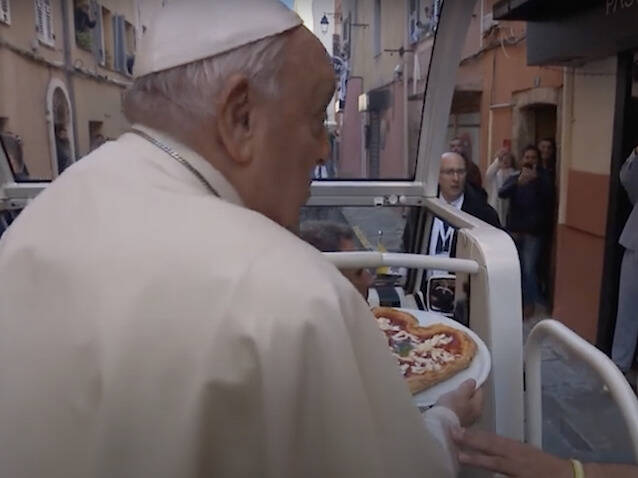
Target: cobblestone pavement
x=579, y=417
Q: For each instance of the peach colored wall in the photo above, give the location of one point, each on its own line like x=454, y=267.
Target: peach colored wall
x=579, y=270
x=499, y=75
x=580, y=249
x=501, y=129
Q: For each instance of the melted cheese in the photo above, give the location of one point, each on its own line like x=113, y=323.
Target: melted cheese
x=428, y=367
x=426, y=356
x=386, y=324
x=429, y=356
x=403, y=335
x=432, y=343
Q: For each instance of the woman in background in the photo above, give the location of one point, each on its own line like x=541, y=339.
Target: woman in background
x=497, y=173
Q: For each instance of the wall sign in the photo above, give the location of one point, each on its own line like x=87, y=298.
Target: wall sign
x=616, y=6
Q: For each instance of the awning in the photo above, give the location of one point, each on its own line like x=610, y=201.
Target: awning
x=538, y=10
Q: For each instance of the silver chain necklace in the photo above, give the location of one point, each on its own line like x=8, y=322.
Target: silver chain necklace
x=177, y=157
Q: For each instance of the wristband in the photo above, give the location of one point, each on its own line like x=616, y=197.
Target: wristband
x=577, y=468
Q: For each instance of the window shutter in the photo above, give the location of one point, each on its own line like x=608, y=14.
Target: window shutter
x=48, y=23
x=5, y=12
x=97, y=38
x=39, y=18
x=44, y=22
x=119, y=47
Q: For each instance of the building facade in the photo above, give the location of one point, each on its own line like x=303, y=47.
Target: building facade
x=64, y=65
x=374, y=107
x=596, y=45
x=501, y=100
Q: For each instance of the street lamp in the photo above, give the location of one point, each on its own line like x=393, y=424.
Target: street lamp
x=324, y=24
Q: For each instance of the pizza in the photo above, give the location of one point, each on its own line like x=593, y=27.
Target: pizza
x=426, y=355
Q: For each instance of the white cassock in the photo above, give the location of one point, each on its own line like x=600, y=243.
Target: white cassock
x=150, y=329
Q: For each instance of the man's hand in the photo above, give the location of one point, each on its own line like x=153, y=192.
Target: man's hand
x=488, y=451
x=466, y=401
x=527, y=175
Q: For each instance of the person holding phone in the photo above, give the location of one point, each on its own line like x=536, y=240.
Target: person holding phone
x=530, y=193
x=497, y=173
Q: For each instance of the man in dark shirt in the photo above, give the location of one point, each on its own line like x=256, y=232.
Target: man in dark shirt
x=530, y=213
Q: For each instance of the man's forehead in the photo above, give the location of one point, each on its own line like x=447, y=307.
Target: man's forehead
x=451, y=160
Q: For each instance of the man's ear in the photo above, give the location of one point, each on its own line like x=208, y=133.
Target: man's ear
x=234, y=114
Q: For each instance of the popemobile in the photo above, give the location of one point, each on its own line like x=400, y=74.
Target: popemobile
x=478, y=289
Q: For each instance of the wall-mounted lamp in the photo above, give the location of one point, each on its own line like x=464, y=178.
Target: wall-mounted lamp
x=324, y=24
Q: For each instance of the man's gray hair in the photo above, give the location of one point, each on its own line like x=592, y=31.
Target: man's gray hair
x=184, y=97
x=325, y=235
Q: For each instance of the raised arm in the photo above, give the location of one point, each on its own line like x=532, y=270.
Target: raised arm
x=492, y=169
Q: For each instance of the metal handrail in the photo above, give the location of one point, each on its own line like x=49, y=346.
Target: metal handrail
x=618, y=387
x=352, y=260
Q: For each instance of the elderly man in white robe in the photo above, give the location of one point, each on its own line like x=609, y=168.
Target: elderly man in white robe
x=157, y=317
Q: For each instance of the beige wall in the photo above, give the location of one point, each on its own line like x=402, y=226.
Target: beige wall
x=98, y=102
x=593, y=116
x=377, y=70
x=23, y=89
x=588, y=122
x=27, y=69
x=21, y=33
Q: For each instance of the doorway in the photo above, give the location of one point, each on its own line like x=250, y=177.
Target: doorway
x=61, y=133
x=538, y=123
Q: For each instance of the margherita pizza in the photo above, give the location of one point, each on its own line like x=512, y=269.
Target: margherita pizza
x=426, y=355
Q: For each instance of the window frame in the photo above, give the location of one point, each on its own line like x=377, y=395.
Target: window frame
x=439, y=89
x=44, y=23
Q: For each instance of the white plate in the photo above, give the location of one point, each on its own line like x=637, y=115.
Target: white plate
x=479, y=368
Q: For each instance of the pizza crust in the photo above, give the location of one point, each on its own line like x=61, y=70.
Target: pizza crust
x=464, y=347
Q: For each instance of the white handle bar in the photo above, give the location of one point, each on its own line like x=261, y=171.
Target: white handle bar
x=353, y=260
x=605, y=368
